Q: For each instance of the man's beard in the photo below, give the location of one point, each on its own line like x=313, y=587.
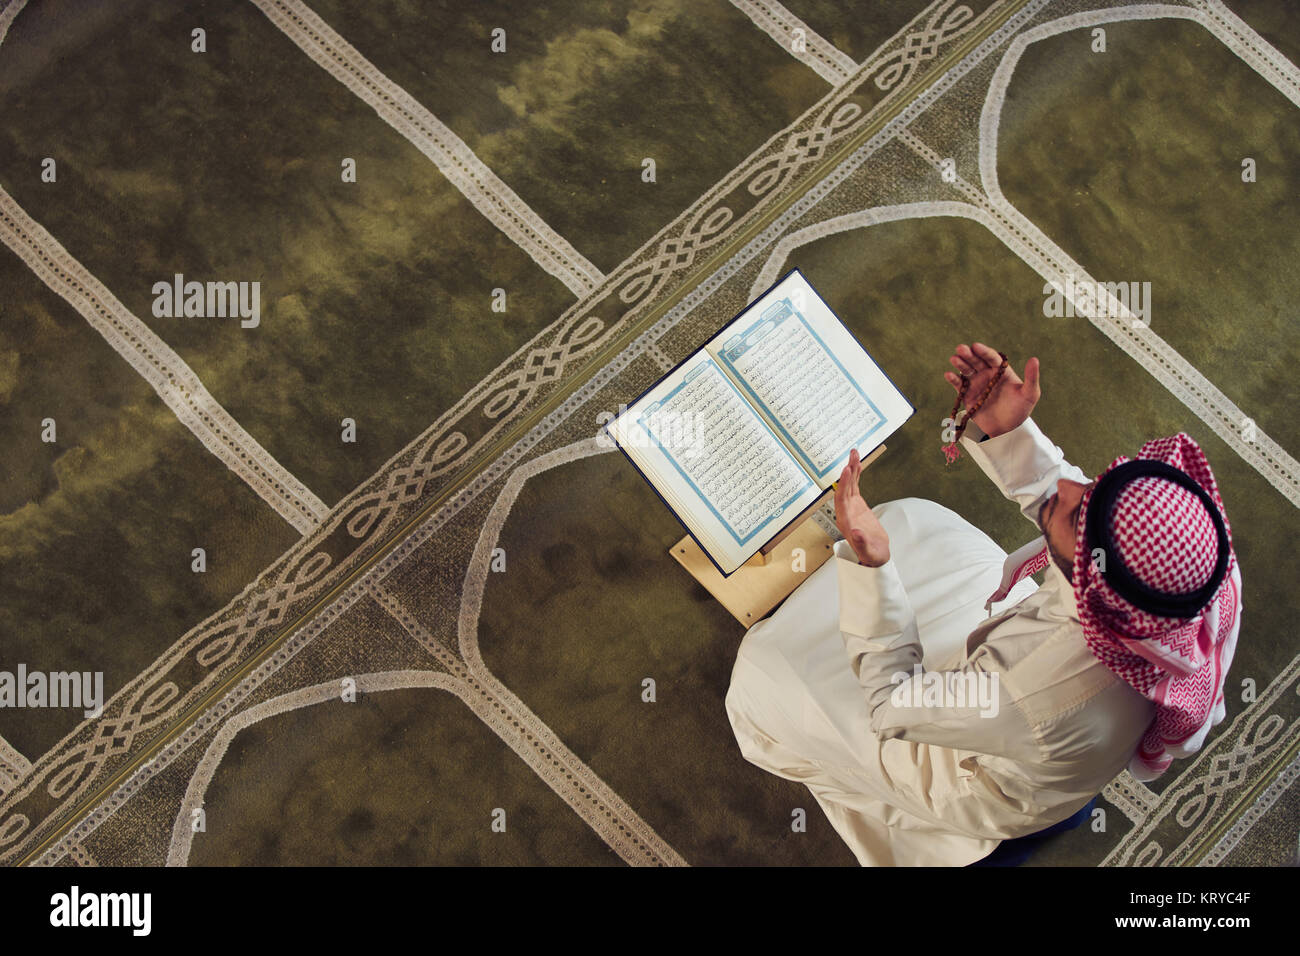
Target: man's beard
x=1066, y=569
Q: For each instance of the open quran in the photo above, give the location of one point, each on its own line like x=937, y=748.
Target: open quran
x=748, y=432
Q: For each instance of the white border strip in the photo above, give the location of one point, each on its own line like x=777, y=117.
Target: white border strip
x=488, y=194
x=7, y=16
x=1141, y=344
x=1285, y=779
x=182, y=840
x=164, y=370
x=831, y=64
x=13, y=766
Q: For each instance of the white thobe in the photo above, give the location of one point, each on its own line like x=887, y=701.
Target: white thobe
x=817, y=692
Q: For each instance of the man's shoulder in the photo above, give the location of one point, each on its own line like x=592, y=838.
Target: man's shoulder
x=1045, y=664
x=1045, y=616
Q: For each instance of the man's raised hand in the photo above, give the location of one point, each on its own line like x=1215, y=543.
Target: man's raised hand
x=1012, y=400
x=856, y=521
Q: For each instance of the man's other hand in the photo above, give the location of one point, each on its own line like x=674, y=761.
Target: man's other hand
x=860, y=527
x=1012, y=400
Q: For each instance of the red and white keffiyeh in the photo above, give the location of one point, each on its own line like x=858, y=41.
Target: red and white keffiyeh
x=1165, y=537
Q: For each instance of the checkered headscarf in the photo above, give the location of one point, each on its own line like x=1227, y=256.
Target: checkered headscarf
x=1160, y=539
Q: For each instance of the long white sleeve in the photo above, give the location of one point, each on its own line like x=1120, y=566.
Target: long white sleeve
x=1023, y=463
x=975, y=711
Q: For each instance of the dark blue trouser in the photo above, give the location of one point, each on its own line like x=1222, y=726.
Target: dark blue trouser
x=1017, y=851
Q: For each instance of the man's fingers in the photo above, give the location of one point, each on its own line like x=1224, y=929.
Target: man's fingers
x=953, y=379
x=961, y=365
x=972, y=357
x=847, y=488
x=1031, y=379
x=990, y=356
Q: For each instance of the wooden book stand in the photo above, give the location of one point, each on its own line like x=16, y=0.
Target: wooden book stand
x=771, y=575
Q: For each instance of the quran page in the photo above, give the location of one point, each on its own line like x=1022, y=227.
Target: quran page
x=801, y=368
x=714, y=461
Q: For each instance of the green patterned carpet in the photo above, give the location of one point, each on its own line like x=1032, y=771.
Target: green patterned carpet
x=498, y=716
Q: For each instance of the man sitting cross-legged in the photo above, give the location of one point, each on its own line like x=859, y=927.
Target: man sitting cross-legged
x=928, y=728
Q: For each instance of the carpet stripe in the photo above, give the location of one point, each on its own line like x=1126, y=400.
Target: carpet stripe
x=1141, y=344
x=164, y=370
x=831, y=64
x=454, y=159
